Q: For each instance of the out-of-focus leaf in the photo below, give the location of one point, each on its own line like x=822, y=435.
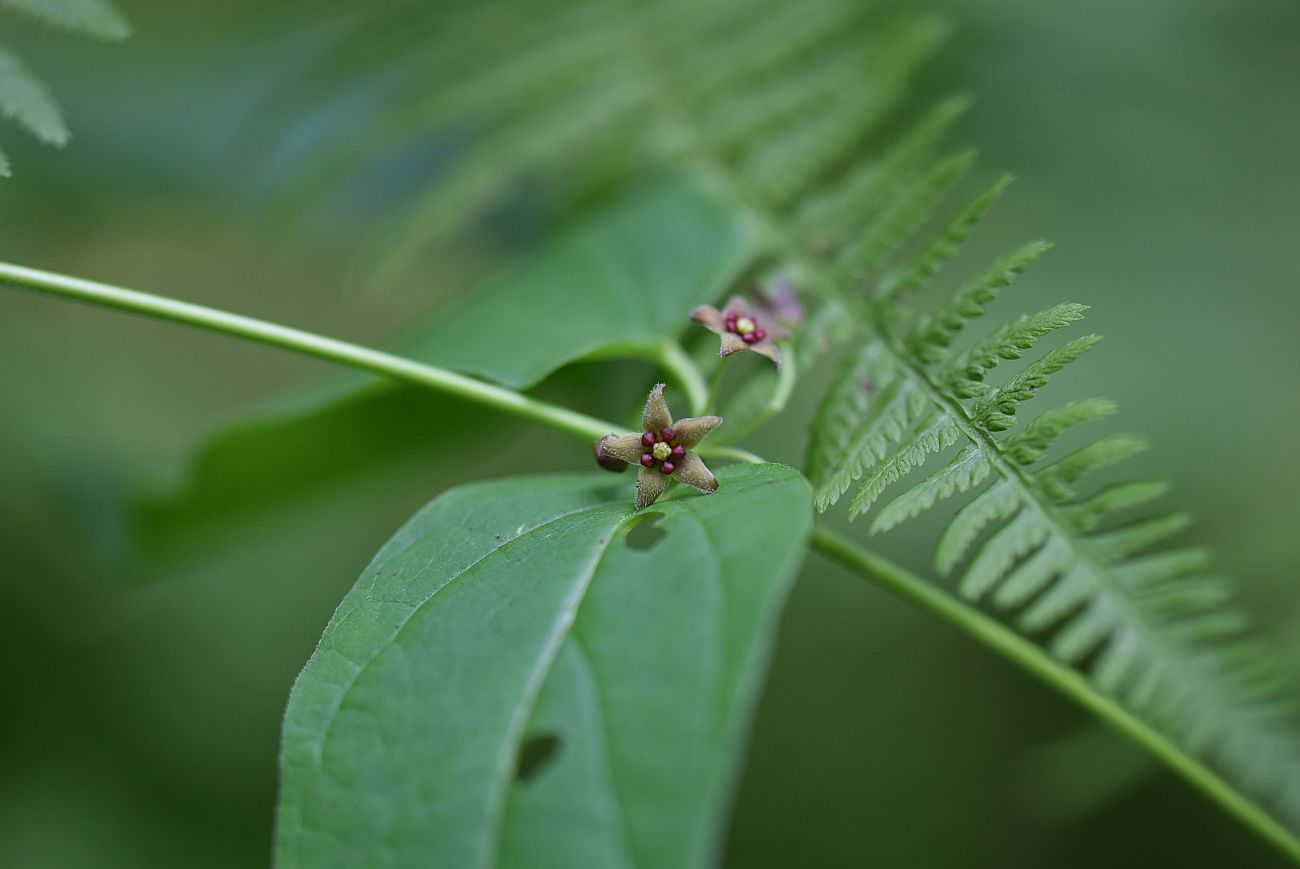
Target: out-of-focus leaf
x=530, y=674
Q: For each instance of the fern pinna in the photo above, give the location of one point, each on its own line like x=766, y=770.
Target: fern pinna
x=798, y=113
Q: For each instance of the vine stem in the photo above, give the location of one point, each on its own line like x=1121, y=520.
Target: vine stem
x=838, y=548
x=1059, y=677
x=354, y=355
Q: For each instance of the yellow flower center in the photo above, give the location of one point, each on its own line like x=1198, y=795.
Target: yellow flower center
x=662, y=451
x=745, y=325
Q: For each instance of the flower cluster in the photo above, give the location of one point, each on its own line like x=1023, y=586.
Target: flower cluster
x=664, y=450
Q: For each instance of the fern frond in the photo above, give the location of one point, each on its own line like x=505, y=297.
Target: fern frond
x=967, y=469
x=904, y=211
x=965, y=377
x=945, y=246
x=97, y=18
x=26, y=101
x=933, y=334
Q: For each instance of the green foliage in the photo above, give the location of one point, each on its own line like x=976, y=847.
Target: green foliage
x=23, y=98
x=1147, y=623
x=518, y=680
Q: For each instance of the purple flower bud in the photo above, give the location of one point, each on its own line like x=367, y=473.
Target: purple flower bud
x=667, y=434
x=648, y=439
x=647, y=459
x=679, y=451
x=759, y=334
x=605, y=460
x=667, y=467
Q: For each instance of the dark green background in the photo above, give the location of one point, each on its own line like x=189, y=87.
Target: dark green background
x=1155, y=142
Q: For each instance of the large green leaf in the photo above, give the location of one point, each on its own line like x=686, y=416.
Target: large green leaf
x=622, y=283
x=531, y=674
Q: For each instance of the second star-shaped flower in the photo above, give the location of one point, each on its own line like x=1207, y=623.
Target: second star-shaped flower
x=740, y=328
x=664, y=450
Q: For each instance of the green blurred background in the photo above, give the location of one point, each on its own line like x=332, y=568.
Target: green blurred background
x=1155, y=142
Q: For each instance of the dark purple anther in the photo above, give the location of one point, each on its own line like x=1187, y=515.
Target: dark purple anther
x=679, y=451
x=648, y=439
x=647, y=459
x=750, y=338
x=667, y=467
x=759, y=334
x=667, y=434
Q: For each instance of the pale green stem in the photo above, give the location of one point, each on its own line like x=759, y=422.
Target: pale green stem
x=687, y=374
x=786, y=376
x=1061, y=678
x=354, y=355
x=856, y=559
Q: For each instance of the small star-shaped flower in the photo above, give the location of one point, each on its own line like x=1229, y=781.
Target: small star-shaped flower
x=664, y=450
x=741, y=328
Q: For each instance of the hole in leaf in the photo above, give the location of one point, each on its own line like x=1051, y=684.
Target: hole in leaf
x=535, y=754
x=645, y=534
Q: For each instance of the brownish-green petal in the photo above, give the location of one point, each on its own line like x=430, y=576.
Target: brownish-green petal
x=709, y=317
x=628, y=448
x=656, y=414
x=731, y=343
x=650, y=484
x=775, y=331
x=768, y=349
x=691, y=431
x=692, y=472
x=738, y=306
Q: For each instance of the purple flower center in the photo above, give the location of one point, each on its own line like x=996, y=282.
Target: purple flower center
x=746, y=326
x=662, y=450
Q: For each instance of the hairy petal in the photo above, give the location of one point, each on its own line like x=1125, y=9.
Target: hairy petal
x=768, y=349
x=650, y=484
x=731, y=343
x=656, y=414
x=627, y=448
x=693, y=472
x=691, y=431
x=709, y=317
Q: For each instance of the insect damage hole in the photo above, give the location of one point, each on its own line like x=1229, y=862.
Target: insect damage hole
x=535, y=754
x=645, y=533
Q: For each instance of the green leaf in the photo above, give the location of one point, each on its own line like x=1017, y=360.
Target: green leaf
x=517, y=680
x=620, y=284
x=97, y=18
x=24, y=99
x=625, y=280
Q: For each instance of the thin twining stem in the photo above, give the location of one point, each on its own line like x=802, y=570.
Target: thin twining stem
x=331, y=349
